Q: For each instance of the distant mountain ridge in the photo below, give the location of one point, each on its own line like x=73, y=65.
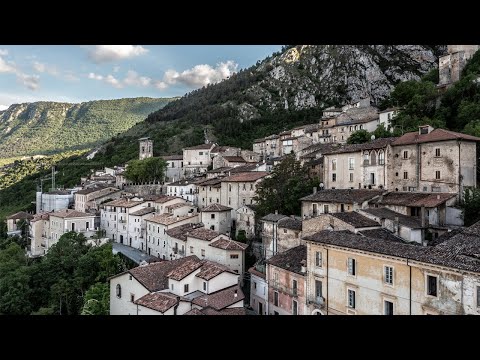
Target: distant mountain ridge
x=51, y=127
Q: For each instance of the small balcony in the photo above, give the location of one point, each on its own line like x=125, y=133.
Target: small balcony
x=318, y=301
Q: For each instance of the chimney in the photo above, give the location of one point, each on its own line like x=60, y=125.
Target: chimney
x=276, y=212
x=314, y=189
x=235, y=293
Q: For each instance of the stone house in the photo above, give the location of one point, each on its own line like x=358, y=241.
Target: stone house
x=270, y=233
x=208, y=192
x=258, y=289
x=289, y=233
x=184, y=189
x=174, y=170
x=197, y=159
x=67, y=220
x=39, y=233
x=239, y=189
x=352, y=221
x=14, y=222
x=91, y=198
x=245, y=221
x=136, y=227
x=217, y=217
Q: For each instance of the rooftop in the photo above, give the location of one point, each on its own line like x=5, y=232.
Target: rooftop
x=355, y=219
x=272, y=137
x=125, y=202
x=415, y=199
x=97, y=187
x=433, y=136
x=292, y=223
x=68, y=213
x=210, y=269
x=259, y=140
x=181, y=232
x=215, y=208
x=166, y=219
x=183, y=182
x=215, y=182
x=186, y=268
x=291, y=260
x=348, y=196
x=373, y=144
x=273, y=217
x=244, y=168
x=143, y=211
x=228, y=244
x=234, y=159
x=246, y=176
x=200, y=147
x=203, y=234
x=385, y=213
x=226, y=311
x=220, y=299
x=165, y=198
x=20, y=215
x=159, y=301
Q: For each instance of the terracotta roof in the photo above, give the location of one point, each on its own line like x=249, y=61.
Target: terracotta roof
x=42, y=216
x=294, y=223
x=227, y=311
x=154, y=276
x=20, y=215
x=234, y=159
x=219, y=170
x=68, y=213
x=183, y=182
x=194, y=311
x=210, y=269
x=173, y=157
x=433, y=136
x=163, y=199
x=373, y=144
x=355, y=219
x=348, y=196
x=181, y=232
x=273, y=217
x=166, y=219
x=220, y=299
x=200, y=147
x=215, y=208
x=291, y=260
x=246, y=176
x=143, y=211
x=178, y=205
x=97, y=187
x=186, y=268
x=126, y=203
x=385, y=213
x=415, y=199
x=203, y=234
x=228, y=244
x=160, y=301
x=215, y=182
x=382, y=234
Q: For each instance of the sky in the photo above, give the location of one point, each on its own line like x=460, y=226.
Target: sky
x=77, y=73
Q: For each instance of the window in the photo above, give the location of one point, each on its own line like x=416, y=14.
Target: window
x=372, y=178
x=212, y=216
x=405, y=175
x=351, y=299
x=204, y=286
x=200, y=153
x=294, y=308
x=381, y=158
x=244, y=186
x=351, y=177
x=229, y=201
x=185, y=288
x=318, y=289
x=234, y=256
x=130, y=277
x=132, y=298
x=203, y=252
x=254, y=284
x=437, y=152
x=172, y=286
x=318, y=259
x=351, y=266
x=314, y=209
x=334, y=164
x=325, y=209
x=251, y=187
x=119, y=291
x=212, y=227
x=275, y=298
x=191, y=249
x=351, y=163
x=361, y=127
x=294, y=287
x=388, y=307
x=432, y=285
x=388, y=275
x=334, y=177
x=405, y=154
x=229, y=187
x=437, y=174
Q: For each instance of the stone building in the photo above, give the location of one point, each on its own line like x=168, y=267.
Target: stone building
x=289, y=233
x=451, y=65
x=208, y=192
x=352, y=221
x=89, y=199
x=245, y=221
x=270, y=233
x=239, y=189
x=217, y=217
x=145, y=148
x=197, y=159
x=175, y=170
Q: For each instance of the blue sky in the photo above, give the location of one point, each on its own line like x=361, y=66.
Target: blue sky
x=72, y=73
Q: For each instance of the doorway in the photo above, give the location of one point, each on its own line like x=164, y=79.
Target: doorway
x=260, y=308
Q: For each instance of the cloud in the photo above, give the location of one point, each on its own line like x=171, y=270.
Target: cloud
x=3, y=52
x=70, y=76
x=134, y=79
x=116, y=69
x=6, y=67
x=95, y=76
x=30, y=81
x=201, y=75
x=44, y=68
x=3, y=107
x=110, y=79
x=108, y=53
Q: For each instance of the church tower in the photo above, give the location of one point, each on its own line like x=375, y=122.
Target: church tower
x=146, y=148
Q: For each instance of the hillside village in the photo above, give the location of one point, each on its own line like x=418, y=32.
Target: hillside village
x=382, y=234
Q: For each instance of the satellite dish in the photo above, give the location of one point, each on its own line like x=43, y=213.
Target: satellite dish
x=372, y=137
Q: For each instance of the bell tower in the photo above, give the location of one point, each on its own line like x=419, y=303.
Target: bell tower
x=146, y=148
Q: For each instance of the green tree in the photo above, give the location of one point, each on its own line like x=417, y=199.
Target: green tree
x=381, y=132
x=97, y=300
x=359, y=137
x=282, y=190
x=471, y=206
x=147, y=170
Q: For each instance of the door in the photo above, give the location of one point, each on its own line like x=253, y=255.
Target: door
x=342, y=207
x=121, y=239
x=260, y=308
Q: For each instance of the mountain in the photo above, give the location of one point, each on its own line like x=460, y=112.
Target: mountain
x=51, y=127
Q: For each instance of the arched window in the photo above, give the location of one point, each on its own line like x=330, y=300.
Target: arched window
x=366, y=158
x=373, y=158
x=119, y=291
x=381, y=158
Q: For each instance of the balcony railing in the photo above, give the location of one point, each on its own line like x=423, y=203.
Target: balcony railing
x=318, y=301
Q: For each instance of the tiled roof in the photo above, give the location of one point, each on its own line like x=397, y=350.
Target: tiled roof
x=433, y=136
x=219, y=170
x=163, y=199
x=382, y=234
x=166, y=219
x=320, y=147
x=200, y=147
x=228, y=244
x=186, y=268
x=273, y=217
x=203, y=234
x=416, y=199
x=154, y=276
x=97, y=187
x=210, y=269
x=227, y=311
x=385, y=213
x=143, y=211
x=220, y=299
x=41, y=216
x=178, y=205
x=160, y=301
x=173, y=157
x=246, y=176
x=20, y=215
x=343, y=195
x=194, y=311
x=68, y=213
x=126, y=203
x=183, y=182
x=234, y=159
x=215, y=182
x=355, y=219
x=244, y=168
x=349, y=148
x=215, y=208
x=219, y=149
x=272, y=137
x=291, y=260
x=181, y=232
x=290, y=223
x=259, y=140
x=318, y=161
